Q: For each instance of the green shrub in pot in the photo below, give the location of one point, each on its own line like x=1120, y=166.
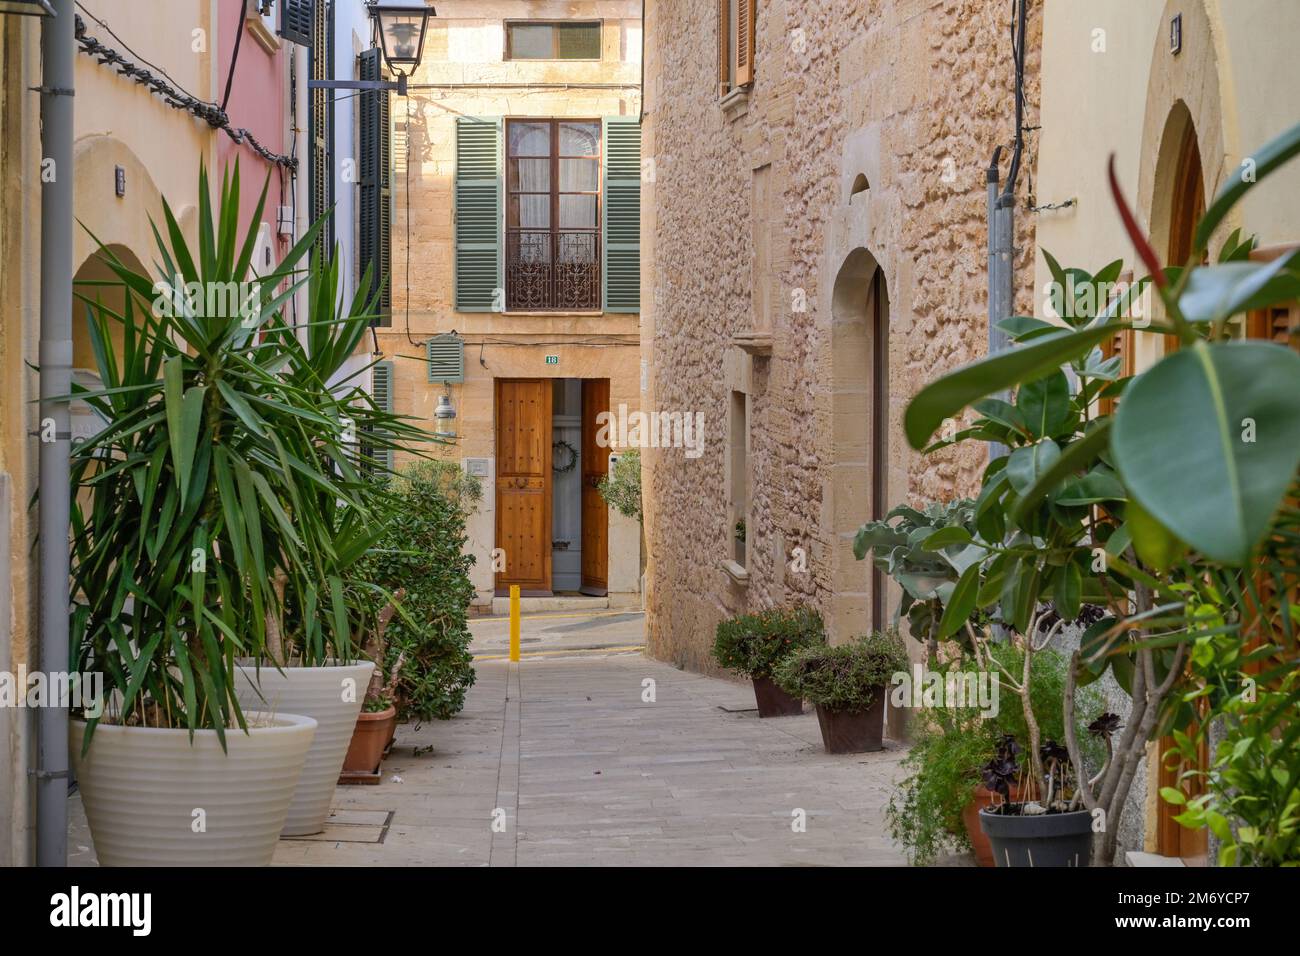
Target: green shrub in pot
x=848, y=684
x=844, y=677
x=926, y=813
x=753, y=644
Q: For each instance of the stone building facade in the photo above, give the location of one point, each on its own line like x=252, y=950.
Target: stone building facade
x=815, y=251
x=507, y=316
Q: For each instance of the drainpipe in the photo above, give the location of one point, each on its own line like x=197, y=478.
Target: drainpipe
x=999, y=269
x=58, y=48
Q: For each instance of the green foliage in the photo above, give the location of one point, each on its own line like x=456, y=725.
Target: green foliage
x=845, y=677
x=621, y=489
x=1161, y=511
x=753, y=644
x=925, y=551
x=1252, y=787
x=950, y=745
x=422, y=551
x=220, y=512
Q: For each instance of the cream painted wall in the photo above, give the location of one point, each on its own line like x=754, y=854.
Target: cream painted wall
x=1093, y=104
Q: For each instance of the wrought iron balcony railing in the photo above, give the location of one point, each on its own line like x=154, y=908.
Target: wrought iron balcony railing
x=552, y=271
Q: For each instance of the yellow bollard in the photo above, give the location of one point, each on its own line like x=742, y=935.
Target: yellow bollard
x=514, y=622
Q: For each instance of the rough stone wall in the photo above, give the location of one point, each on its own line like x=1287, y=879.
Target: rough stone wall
x=934, y=80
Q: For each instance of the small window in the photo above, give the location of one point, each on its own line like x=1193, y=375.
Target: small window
x=533, y=40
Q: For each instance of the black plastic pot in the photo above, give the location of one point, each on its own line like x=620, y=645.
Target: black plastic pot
x=773, y=701
x=1048, y=839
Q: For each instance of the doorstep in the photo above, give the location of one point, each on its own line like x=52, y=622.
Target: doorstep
x=558, y=602
x=1139, y=858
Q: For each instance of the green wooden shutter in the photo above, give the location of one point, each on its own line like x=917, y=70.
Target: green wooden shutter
x=622, y=205
x=381, y=389
x=296, y=18
x=446, y=355
x=375, y=199
x=479, y=273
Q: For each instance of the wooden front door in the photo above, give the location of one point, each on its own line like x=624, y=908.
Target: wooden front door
x=523, y=483
x=595, y=514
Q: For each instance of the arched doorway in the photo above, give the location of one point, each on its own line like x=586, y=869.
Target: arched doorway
x=1180, y=190
x=94, y=280
x=860, y=480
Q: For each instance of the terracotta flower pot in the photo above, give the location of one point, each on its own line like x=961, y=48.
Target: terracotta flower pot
x=854, y=731
x=970, y=818
x=773, y=701
x=369, y=741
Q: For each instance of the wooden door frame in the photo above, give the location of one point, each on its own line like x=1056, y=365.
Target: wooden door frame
x=879, y=337
x=589, y=430
x=499, y=588
x=1187, y=205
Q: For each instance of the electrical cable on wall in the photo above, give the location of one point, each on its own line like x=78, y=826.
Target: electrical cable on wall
x=172, y=93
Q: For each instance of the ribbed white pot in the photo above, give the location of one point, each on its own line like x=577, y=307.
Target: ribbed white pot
x=154, y=798
x=332, y=695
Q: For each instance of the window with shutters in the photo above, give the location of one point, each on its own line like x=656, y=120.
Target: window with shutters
x=374, y=211
x=553, y=215
x=557, y=40
x=737, y=35
x=1278, y=323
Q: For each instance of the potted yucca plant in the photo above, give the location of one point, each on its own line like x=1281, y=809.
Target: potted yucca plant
x=225, y=470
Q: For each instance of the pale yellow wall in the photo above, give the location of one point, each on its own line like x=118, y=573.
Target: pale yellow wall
x=464, y=73
x=1240, y=54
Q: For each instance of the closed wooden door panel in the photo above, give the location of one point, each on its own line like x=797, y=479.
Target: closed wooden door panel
x=595, y=513
x=523, y=483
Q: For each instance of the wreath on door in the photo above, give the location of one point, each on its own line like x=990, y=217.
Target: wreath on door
x=569, y=464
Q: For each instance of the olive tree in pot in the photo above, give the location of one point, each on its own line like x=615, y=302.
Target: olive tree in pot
x=754, y=644
x=847, y=683
x=177, y=499
x=1082, y=508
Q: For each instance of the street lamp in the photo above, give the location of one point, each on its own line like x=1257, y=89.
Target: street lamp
x=401, y=29
x=401, y=33
x=27, y=8
x=445, y=414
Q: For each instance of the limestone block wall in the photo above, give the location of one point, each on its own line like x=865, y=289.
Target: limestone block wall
x=756, y=225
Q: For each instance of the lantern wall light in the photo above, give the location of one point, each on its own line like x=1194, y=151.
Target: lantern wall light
x=401, y=28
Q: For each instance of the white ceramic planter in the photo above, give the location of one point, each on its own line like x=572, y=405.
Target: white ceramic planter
x=330, y=695
x=153, y=798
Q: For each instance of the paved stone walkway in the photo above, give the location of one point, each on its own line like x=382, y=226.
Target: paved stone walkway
x=586, y=773
x=581, y=771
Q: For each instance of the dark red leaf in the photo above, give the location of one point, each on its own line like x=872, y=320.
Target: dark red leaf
x=1144, y=250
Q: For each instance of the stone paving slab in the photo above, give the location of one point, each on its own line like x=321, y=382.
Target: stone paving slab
x=587, y=773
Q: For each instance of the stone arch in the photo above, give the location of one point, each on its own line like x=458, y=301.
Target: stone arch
x=1191, y=92
x=863, y=437
x=96, y=281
